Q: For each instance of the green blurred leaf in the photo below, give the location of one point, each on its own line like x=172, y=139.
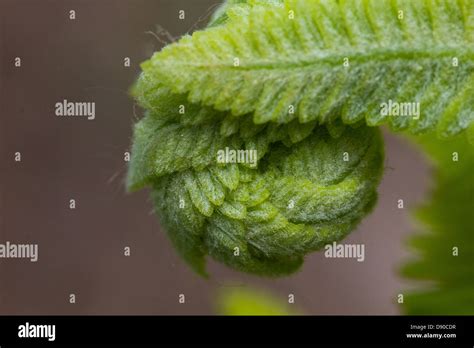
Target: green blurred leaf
x=243, y=301
x=448, y=222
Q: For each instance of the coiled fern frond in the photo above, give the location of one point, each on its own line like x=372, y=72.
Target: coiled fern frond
x=299, y=82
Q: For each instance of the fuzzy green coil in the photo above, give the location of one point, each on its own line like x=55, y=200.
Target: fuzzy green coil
x=312, y=184
x=299, y=81
x=263, y=220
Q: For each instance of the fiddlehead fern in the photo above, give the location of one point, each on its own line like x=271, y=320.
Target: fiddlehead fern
x=296, y=81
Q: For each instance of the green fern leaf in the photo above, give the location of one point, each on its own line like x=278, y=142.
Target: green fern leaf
x=282, y=63
x=445, y=249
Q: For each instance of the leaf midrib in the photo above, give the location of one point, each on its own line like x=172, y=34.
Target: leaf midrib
x=463, y=54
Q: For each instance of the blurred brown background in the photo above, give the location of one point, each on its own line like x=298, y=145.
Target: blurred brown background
x=81, y=250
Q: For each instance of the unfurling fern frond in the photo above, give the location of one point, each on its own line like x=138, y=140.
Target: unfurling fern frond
x=305, y=190
x=296, y=81
x=320, y=60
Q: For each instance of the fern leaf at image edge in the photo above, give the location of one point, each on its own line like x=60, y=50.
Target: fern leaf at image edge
x=444, y=248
